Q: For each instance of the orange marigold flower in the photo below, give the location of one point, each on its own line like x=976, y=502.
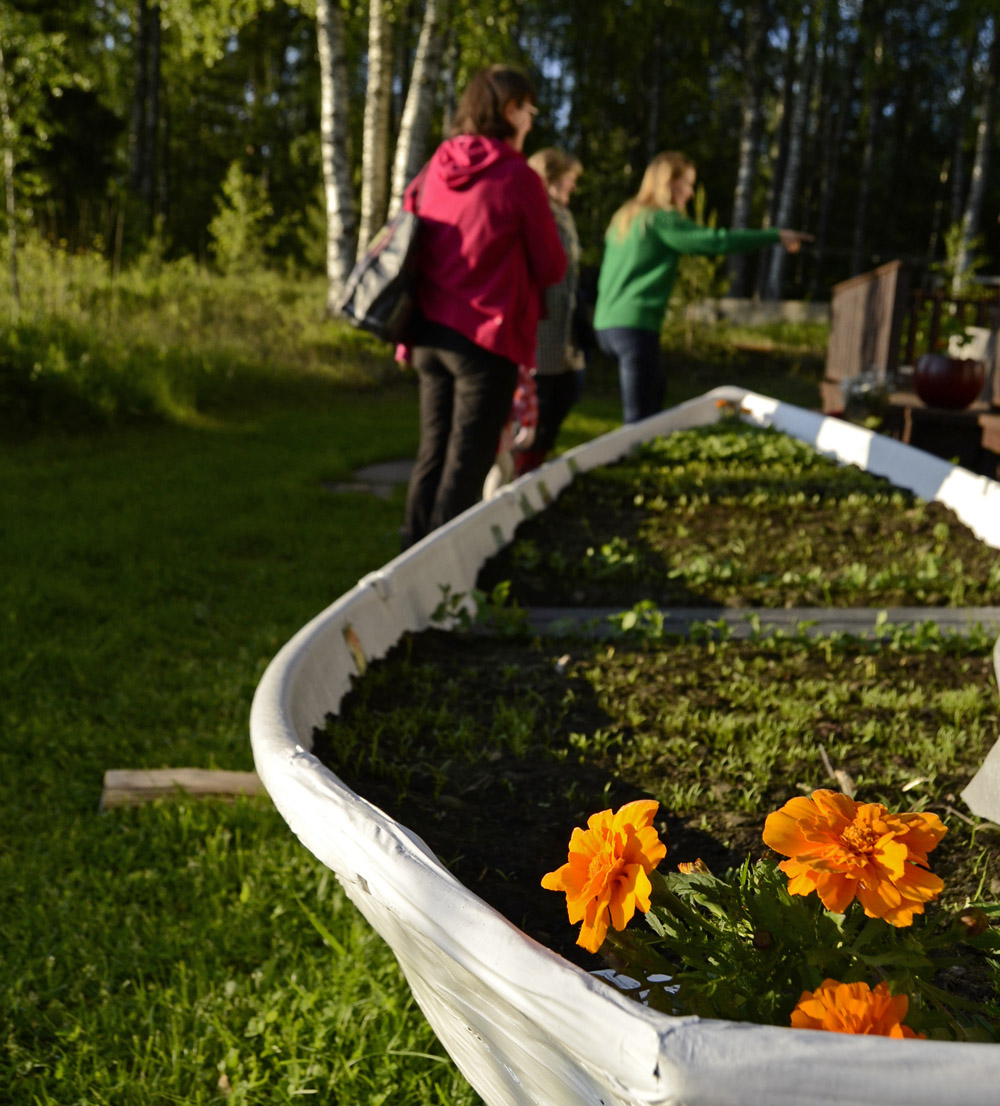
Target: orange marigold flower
x=853, y=1008
x=607, y=874
x=844, y=850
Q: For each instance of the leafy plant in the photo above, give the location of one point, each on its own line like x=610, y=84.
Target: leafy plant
x=242, y=230
x=739, y=946
x=847, y=907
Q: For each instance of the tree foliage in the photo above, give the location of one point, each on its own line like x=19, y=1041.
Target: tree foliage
x=878, y=111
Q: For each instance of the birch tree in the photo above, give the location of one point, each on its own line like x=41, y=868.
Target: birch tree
x=836, y=85
x=415, y=124
x=340, y=211
x=872, y=29
x=375, y=144
x=977, y=178
x=957, y=167
x=788, y=192
x=755, y=31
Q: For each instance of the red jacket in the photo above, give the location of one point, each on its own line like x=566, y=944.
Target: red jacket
x=488, y=244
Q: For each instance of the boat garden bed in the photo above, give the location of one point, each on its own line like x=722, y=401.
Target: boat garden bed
x=492, y=743
x=517, y=1018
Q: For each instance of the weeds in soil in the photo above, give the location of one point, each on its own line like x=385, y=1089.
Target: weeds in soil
x=733, y=515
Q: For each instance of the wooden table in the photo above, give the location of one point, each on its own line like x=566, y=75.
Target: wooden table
x=970, y=436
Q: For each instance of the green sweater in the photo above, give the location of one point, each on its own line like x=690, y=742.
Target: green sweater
x=638, y=271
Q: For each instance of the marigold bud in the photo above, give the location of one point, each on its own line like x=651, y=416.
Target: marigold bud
x=762, y=939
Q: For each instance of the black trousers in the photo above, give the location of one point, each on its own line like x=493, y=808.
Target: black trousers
x=556, y=395
x=465, y=397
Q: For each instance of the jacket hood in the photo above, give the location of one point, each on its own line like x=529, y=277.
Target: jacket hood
x=461, y=159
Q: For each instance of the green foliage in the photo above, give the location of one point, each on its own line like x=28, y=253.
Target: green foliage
x=717, y=731
x=740, y=947
x=242, y=231
x=240, y=81
x=698, y=278
x=205, y=29
x=961, y=282
x=734, y=513
x=463, y=611
x=956, y=282
x=35, y=68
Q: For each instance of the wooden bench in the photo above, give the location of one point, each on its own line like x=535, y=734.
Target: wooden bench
x=866, y=325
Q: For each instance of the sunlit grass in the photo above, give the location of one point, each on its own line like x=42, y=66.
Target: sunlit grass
x=168, y=340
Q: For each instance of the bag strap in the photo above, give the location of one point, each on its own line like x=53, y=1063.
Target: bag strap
x=418, y=195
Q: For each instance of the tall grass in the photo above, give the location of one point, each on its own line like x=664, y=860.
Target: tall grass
x=165, y=339
x=152, y=955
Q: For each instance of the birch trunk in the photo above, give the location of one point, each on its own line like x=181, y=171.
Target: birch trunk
x=872, y=16
x=749, y=140
x=378, y=100
x=957, y=171
x=777, y=154
x=340, y=215
x=414, y=127
x=793, y=161
x=835, y=94
x=8, y=133
x=977, y=179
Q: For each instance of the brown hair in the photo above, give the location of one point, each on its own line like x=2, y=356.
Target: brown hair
x=551, y=164
x=481, y=109
x=654, y=191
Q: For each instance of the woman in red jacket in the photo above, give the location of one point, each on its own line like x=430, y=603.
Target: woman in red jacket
x=488, y=247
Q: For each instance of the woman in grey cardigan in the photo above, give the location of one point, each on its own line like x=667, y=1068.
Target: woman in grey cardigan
x=557, y=362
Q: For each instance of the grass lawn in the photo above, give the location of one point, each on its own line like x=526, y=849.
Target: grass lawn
x=159, y=954
x=191, y=951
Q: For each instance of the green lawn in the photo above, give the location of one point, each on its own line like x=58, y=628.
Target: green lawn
x=148, y=577
x=187, y=951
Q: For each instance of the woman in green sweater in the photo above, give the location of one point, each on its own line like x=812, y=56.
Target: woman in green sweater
x=644, y=243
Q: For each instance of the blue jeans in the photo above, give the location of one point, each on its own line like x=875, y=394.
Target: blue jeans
x=640, y=370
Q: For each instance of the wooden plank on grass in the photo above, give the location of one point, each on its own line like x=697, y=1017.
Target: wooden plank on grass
x=131, y=786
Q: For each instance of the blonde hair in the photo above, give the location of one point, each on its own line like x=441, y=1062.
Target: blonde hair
x=654, y=191
x=552, y=164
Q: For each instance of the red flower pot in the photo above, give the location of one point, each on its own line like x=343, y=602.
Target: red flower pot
x=943, y=381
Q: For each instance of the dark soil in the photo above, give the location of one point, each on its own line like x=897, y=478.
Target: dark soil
x=495, y=792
